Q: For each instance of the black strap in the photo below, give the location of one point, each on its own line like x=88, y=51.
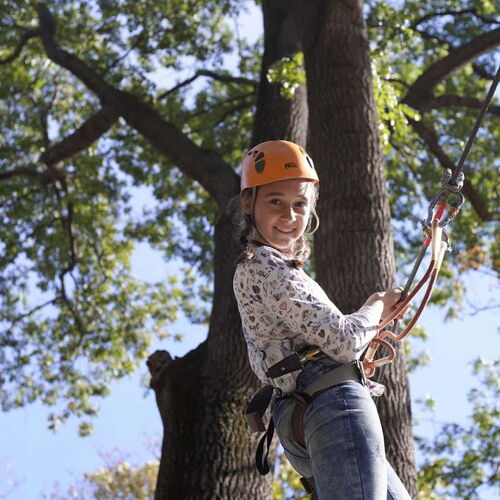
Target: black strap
x=261, y=461
x=257, y=407
x=309, y=485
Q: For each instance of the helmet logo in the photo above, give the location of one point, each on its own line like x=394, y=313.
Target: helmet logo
x=260, y=163
x=290, y=165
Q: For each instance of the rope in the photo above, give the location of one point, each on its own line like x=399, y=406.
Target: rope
x=479, y=119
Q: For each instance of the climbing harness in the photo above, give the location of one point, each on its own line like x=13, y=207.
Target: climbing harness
x=262, y=399
x=442, y=208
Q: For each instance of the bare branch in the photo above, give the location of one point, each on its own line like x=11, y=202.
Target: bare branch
x=475, y=199
x=230, y=111
x=82, y=138
x=430, y=36
x=67, y=226
x=482, y=72
x=480, y=309
x=451, y=12
x=216, y=76
x=422, y=88
x=205, y=167
x=26, y=314
x=93, y=128
x=26, y=171
x=25, y=37
x=397, y=80
x=446, y=101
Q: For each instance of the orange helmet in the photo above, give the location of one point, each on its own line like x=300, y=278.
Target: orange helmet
x=273, y=161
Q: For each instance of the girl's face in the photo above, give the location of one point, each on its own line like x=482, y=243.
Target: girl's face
x=281, y=212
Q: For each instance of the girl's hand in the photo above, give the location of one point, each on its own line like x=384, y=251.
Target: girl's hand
x=391, y=299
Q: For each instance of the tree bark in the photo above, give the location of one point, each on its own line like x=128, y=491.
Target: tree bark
x=207, y=449
x=277, y=117
x=353, y=246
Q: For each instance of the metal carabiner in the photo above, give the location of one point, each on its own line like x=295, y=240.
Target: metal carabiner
x=442, y=208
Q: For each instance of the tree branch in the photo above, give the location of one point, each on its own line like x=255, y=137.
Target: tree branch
x=422, y=88
x=25, y=37
x=93, y=128
x=31, y=312
x=446, y=101
x=431, y=139
x=26, y=171
x=452, y=12
x=216, y=76
x=482, y=72
x=205, y=167
x=429, y=36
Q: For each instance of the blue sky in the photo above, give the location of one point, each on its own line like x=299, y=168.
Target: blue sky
x=129, y=419
x=36, y=458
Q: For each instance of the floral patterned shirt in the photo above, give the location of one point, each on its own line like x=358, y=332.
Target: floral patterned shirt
x=282, y=309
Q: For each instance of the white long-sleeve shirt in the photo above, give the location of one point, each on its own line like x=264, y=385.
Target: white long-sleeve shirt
x=282, y=309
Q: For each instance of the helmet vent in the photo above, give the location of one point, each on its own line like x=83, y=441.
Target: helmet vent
x=311, y=164
x=260, y=162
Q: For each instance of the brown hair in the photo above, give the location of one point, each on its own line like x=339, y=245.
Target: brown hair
x=244, y=224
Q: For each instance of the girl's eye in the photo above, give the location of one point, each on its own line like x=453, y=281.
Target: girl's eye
x=301, y=204
x=275, y=201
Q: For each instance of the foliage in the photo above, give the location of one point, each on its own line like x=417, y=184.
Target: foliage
x=462, y=460
x=73, y=314
x=117, y=480
x=426, y=33
x=289, y=73
x=287, y=485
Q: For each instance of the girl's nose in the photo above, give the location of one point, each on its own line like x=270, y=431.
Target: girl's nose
x=288, y=213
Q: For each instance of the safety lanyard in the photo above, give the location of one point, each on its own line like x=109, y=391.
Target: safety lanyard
x=442, y=208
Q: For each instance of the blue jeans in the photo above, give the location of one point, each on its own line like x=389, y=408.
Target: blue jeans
x=344, y=442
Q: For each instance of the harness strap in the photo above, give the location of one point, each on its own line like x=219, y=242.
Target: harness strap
x=343, y=373
x=298, y=423
x=257, y=407
x=261, y=461
x=261, y=399
x=310, y=486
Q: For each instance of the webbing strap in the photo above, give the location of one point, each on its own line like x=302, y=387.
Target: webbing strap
x=261, y=461
x=336, y=376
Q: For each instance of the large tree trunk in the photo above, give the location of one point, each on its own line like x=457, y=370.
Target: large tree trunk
x=207, y=450
x=276, y=117
x=354, y=247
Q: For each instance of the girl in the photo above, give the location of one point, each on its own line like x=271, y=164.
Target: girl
x=337, y=438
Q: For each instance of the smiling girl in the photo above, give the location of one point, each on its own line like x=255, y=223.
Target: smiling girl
x=323, y=412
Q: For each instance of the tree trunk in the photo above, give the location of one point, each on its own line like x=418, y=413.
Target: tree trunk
x=354, y=247
x=277, y=117
x=207, y=449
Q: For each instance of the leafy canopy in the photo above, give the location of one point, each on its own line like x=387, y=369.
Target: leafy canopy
x=73, y=314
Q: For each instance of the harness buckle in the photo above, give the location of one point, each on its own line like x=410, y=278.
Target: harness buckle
x=293, y=362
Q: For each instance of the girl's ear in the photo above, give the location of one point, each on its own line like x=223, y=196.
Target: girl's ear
x=246, y=204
